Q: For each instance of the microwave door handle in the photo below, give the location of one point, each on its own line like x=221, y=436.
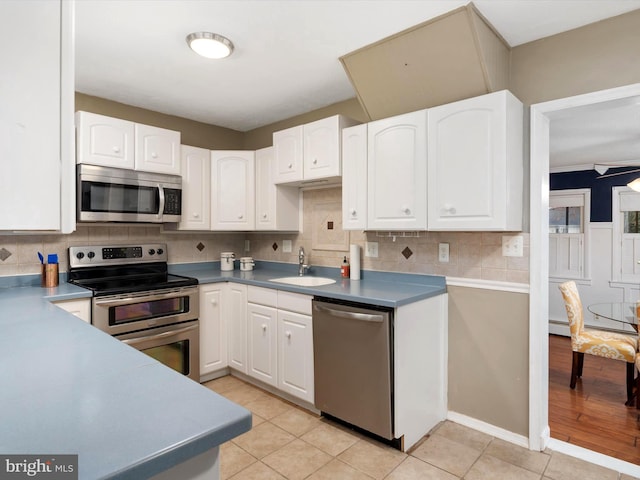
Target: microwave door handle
x=158, y=336
x=161, y=207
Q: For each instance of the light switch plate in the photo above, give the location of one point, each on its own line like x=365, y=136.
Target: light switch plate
x=371, y=249
x=512, y=246
x=443, y=252
x=286, y=246
x=247, y=245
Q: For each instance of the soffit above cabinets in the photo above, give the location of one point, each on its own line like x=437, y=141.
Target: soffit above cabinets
x=455, y=56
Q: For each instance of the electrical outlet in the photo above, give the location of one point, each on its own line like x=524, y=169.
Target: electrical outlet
x=286, y=246
x=370, y=249
x=443, y=252
x=247, y=245
x=512, y=246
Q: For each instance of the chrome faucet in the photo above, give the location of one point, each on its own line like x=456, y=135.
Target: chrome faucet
x=302, y=267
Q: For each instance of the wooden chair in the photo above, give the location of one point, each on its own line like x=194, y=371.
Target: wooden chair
x=616, y=346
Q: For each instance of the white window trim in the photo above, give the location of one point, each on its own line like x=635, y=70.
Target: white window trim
x=585, y=203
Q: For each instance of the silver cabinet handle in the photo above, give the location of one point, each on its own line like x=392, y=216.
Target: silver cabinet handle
x=365, y=317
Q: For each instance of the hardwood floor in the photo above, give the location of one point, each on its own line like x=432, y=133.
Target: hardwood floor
x=593, y=415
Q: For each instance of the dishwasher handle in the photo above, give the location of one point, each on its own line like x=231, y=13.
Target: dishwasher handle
x=364, y=317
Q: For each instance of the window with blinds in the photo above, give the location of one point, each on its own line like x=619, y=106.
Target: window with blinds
x=568, y=216
x=626, y=231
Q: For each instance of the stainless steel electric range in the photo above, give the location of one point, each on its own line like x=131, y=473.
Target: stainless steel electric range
x=138, y=301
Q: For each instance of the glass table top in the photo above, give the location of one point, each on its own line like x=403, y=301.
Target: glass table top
x=624, y=312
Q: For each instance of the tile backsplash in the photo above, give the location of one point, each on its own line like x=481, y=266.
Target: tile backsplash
x=476, y=255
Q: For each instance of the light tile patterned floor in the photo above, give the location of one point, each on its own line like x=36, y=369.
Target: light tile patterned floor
x=287, y=442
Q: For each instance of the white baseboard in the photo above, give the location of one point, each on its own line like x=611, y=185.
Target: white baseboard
x=594, y=457
x=489, y=429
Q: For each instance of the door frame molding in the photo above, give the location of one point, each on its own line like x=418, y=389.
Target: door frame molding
x=541, y=116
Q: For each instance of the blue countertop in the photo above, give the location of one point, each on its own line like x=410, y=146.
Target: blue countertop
x=387, y=289
x=68, y=388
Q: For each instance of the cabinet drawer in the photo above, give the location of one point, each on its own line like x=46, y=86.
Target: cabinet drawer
x=294, y=302
x=262, y=296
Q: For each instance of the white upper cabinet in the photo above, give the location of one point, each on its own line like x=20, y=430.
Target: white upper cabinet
x=113, y=142
x=476, y=164
x=157, y=150
x=232, y=190
x=354, y=177
x=196, y=188
x=37, y=184
x=287, y=146
x=397, y=172
x=277, y=206
x=309, y=152
x=105, y=141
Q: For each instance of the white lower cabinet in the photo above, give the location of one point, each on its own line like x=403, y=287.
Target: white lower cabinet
x=262, y=331
x=295, y=354
x=213, y=335
x=81, y=308
x=235, y=313
x=280, y=341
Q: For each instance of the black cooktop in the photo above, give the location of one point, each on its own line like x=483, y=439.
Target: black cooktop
x=132, y=283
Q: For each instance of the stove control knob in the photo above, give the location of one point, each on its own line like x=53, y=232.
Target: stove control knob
x=91, y=254
x=152, y=251
x=160, y=251
x=79, y=255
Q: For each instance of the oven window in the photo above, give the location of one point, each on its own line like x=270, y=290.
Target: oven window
x=146, y=310
x=174, y=355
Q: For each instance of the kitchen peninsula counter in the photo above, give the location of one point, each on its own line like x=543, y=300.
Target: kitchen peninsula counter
x=68, y=388
x=386, y=289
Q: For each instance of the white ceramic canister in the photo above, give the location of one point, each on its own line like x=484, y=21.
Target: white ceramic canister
x=226, y=261
x=246, y=264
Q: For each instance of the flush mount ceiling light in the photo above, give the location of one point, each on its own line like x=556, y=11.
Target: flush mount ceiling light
x=210, y=45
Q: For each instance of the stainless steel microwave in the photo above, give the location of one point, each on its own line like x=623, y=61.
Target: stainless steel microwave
x=108, y=194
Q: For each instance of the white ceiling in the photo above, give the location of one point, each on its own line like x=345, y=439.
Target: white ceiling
x=286, y=57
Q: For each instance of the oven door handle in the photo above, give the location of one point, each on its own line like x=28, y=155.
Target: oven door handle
x=158, y=336
x=129, y=300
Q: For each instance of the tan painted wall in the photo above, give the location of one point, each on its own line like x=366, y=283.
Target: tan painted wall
x=489, y=356
x=194, y=133
x=595, y=57
x=263, y=136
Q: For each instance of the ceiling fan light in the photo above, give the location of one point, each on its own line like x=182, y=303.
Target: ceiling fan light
x=210, y=45
x=634, y=185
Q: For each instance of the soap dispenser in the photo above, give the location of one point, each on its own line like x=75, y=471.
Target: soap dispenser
x=344, y=269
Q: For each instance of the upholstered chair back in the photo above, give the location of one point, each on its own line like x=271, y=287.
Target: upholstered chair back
x=573, y=305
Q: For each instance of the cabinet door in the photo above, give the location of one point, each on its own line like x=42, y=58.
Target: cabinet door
x=354, y=178
x=232, y=190
x=36, y=117
x=105, y=140
x=265, y=190
x=81, y=308
x=157, y=149
x=475, y=164
x=235, y=316
x=213, y=339
x=195, y=166
x=295, y=354
x=397, y=173
x=321, y=147
x=277, y=206
x=288, y=153
x=262, y=339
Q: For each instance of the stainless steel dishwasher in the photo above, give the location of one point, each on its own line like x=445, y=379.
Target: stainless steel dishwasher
x=353, y=364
